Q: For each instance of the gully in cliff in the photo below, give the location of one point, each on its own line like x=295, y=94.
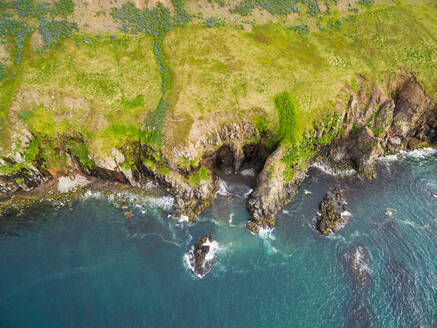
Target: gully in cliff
x=332, y=212
x=201, y=257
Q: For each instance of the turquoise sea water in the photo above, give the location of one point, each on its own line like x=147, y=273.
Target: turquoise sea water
x=91, y=267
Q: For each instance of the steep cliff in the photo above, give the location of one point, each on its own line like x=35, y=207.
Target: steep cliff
x=373, y=124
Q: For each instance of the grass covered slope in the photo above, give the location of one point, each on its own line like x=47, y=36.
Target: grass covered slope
x=171, y=69
x=225, y=73
x=101, y=88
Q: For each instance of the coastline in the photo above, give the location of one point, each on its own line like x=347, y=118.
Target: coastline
x=375, y=123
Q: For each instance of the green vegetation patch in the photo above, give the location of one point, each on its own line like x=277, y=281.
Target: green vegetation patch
x=101, y=89
x=18, y=20
x=156, y=22
x=288, y=124
x=298, y=154
x=202, y=174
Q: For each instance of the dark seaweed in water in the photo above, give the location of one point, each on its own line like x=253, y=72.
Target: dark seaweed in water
x=402, y=291
x=361, y=313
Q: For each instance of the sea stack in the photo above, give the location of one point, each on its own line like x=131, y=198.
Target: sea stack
x=332, y=207
x=202, y=255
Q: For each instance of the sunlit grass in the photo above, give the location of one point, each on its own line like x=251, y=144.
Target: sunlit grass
x=103, y=89
x=229, y=72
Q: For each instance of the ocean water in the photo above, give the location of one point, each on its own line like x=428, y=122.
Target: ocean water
x=92, y=267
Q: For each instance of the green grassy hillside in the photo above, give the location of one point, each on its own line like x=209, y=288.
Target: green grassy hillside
x=231, y=72
x=172, y=68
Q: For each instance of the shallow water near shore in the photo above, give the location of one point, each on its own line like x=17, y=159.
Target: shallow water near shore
x=93, y=267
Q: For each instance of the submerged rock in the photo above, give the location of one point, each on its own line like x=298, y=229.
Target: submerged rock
x=331, y=208
x=357, y=261
x=201, y=257
x=361, y=313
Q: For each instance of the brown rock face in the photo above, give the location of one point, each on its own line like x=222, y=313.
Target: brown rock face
x=411, y=105
x=372, y=126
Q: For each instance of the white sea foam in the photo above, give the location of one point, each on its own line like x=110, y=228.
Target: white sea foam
x=230, y=219
x=223, y=188
x=187, y=263
x=328, y=169
x=346, y=216
x=418, y=153
x=360, y=261
x=285, y=211
x=390, y=211
x=92, y=194
x=270, y=248
x=213, y=248
x=266, y=233
x=413, y=224
x=249, y=191
x=66, y=183
x=184, y=218
x=164, y=202
x=389, y=158
x=248, y=172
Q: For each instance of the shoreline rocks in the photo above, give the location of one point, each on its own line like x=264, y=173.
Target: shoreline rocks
x=375, y=122
x=331, y=208
x=201, y=257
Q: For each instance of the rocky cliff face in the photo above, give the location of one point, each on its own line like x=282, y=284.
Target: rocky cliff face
x=193, y=194
x=376, y=121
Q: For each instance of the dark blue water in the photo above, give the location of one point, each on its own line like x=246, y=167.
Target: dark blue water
x=92, y=267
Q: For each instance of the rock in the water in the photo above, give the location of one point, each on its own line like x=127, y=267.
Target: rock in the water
x=331, y=208
x=252, y=226
x=201, y=257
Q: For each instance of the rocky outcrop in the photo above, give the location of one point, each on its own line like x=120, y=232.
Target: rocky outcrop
x=201, y=257
x=271, y=192
x=383, y=124
x=330, y=218
x=374, y=123
x=190, y=199
x=20, y=177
